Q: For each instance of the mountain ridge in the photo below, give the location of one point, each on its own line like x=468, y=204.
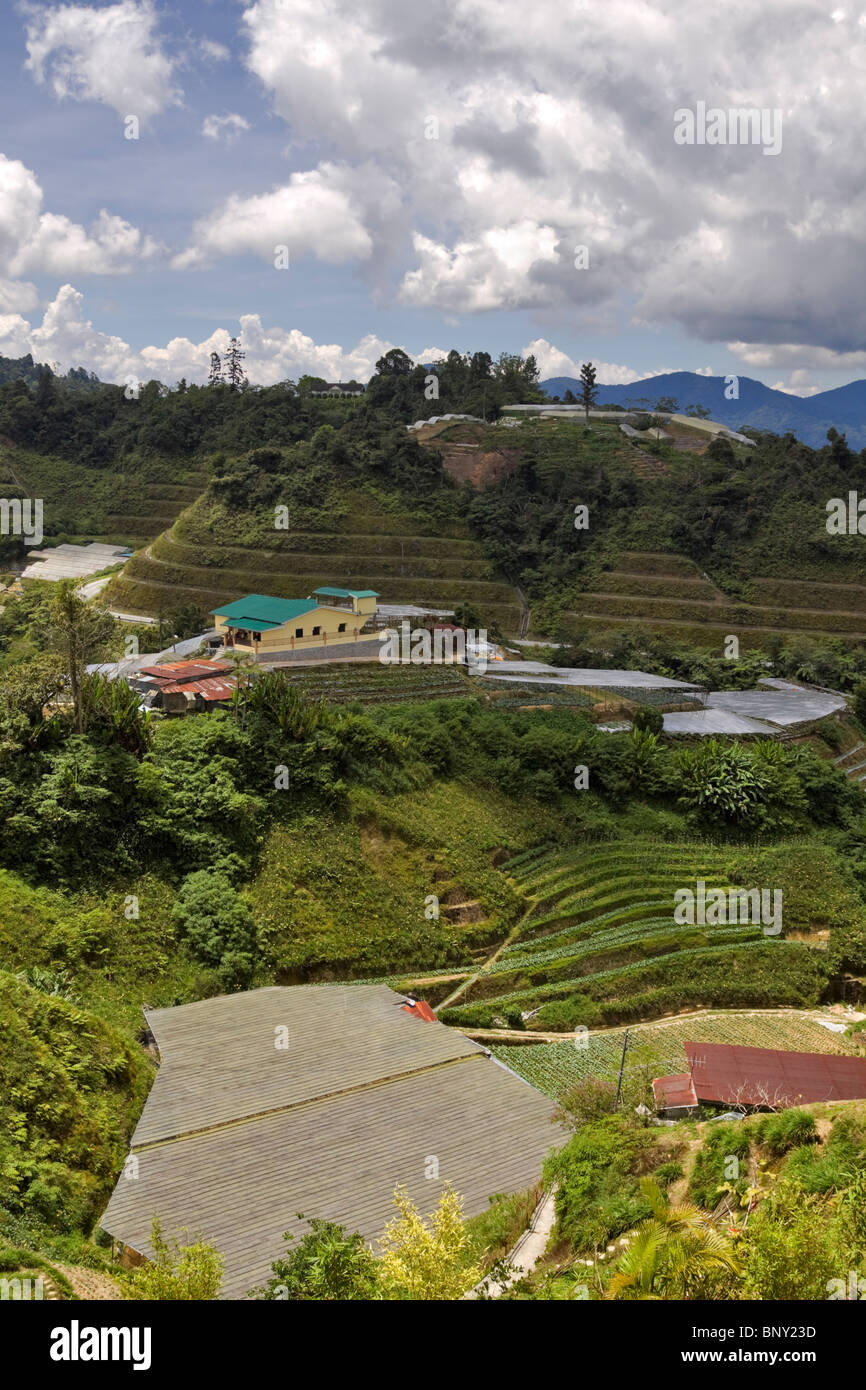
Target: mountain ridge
x=757, y=406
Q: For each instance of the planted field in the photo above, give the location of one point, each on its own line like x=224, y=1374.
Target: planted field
x=373, y=683
x=658, y=1047
x=600, y=940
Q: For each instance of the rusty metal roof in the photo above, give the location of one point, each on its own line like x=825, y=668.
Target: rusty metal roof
x=185, y=670
x=214, y=688
x=673, y=1092
x=728, y=1074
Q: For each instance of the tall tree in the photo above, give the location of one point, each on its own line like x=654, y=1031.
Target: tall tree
x=234, y=365
x=589, y=390
x=215, y=371
x=80, y=633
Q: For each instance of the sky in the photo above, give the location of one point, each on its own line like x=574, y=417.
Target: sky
x=328, y=180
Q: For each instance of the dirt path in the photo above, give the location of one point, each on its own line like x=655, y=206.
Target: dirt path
x=90, y=1283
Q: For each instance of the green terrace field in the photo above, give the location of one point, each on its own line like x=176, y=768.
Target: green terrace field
x=373, y=683
x=84, y=504
x=658, y=1047
x=209, y=557
x=669, y=593
x=599, y=943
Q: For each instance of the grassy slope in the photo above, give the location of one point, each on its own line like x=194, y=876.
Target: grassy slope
x=85, y=504
x=357, y=540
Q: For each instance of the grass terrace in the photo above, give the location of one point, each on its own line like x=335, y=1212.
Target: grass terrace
x=598, y=942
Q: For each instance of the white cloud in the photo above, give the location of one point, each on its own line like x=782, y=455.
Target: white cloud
x=33, y=241
x=322, y=212
x=216, y=52
x=110, y=54
x=67, y=336
x=552, y=362
x=799, y=357
x=229, y=127
x=537, y=130
x=492, y=272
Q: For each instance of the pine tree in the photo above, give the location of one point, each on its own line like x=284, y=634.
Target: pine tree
x=215, y=374
x=589, y=390
x=234, y=370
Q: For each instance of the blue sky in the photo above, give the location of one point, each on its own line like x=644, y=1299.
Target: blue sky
x=308, y=123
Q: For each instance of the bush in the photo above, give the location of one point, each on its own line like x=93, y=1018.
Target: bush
x=787, y=1130
x=328, y=1263
x=648, y=719
x=714, y=1167
x=218, y=925
x=178, y=1272
x=666, y=1173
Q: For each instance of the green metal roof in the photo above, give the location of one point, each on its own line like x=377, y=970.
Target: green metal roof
x=261, y=611
x=347, y=593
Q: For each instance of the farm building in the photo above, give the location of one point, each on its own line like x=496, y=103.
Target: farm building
x=758, y=1078
x=339, y=388
x=179, y=686
x=281, y=627
x=317, y=1099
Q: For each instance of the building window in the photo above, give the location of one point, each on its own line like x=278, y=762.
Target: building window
x=342, y=627
x=299, y=632
x=316, y=631
x=257, y=637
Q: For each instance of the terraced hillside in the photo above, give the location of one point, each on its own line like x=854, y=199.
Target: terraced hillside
x=81, y=503
x=599, y=942
x=659, y=1047
x=203, y=560
x=670, y=593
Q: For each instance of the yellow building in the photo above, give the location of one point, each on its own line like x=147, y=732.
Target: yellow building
x=265, y=625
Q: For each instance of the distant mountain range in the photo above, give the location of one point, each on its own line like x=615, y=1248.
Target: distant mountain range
x=808, y=417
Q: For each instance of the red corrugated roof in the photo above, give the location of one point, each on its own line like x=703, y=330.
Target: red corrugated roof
x=673, y=1091
x=213, y=689
x=729, y=1075
x=185, y=670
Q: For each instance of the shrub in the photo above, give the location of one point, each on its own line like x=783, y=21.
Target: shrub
x=218, y=925
x=787, y=1130
x=648, y=719
x=666, y=1173
x=714, y=1167
x=178, y=1272
x=327, y=1263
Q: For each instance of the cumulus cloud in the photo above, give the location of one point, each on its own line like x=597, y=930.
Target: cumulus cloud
x=225, y=127
x=322, y=212
x=68, y=337
x=502, y=130
x=34, y=242
x=553, y=362
x=109, y=54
